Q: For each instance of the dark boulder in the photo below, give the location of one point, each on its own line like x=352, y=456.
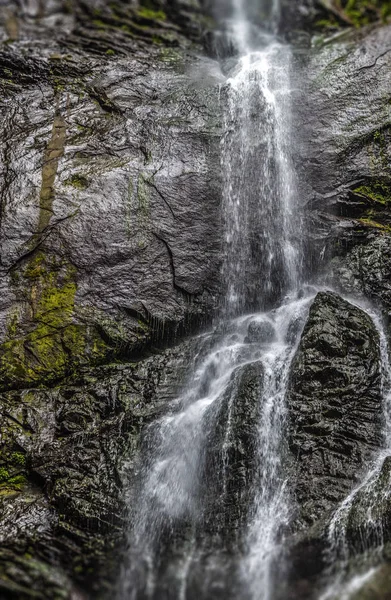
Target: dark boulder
x=335, y=403
x=67, y=460
x=260, y=332
x=231, y=459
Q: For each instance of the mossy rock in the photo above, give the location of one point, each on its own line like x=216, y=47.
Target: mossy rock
x=77, y=181
x=370, y=204
x=376, y=191
x=353, y=13
x=43, y=340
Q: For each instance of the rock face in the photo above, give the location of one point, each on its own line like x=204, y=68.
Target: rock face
x=110, y=202
x=366, y=271
x=110, y=180
x=111, y=249
x=343, y=147
x=335, y=404
x=61, y=503
x=231, y=453
x=261, y=332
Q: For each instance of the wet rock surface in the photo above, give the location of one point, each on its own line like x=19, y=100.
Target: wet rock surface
x=301, y=19
x=335, y=404
x=231, y=453
x=66, y=453
x=109, y=246
x=111, y=249
x=344, y=157
x=229, y=466
x=110, y=198
x=366, y=271
x=344, y=146
x=336, y=430
x=261, y=332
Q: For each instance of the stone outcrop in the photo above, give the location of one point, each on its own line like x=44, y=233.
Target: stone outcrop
x=110, y=198
x=231, y=461
x=110, y=195
x=343, y=148
x=335, y=404
x=65, y=454
x=110, y=251
x=336, y=429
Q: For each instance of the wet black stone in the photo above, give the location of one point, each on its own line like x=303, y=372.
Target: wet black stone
x=335, y=404
x=260, y=332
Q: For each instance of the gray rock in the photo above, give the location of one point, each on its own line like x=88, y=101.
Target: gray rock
x=67, y=459
x=261, y=332
x=335, y=404
x=231, y=453
x=343, y=141
x=366, y=271
x=111, y=195
x=109, y=245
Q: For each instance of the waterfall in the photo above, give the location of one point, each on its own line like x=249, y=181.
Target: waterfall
x=213, y=496
x=262, y=254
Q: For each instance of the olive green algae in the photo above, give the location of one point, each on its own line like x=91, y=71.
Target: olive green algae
x=377, y=191
x=54, y=344
x=354, y=13
x=54, y=150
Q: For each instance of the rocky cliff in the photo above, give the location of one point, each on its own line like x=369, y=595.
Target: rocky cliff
x=109, y=251
x=110, y=255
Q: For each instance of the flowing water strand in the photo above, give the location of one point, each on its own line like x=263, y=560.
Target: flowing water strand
x=261, y=223
x=345, y=579
x=241, y=27
x=272, y=503
x=261, y=248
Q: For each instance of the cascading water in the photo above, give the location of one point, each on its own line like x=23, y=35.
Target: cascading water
x=213, y=501
x=262, y=257
x=262, y=252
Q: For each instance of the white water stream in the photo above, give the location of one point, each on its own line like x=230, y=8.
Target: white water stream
x=261, y=271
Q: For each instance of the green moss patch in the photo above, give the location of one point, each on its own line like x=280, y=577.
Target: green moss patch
x=375, y=225
x=356, y=13
x=363, y=12
x=11, y=482
x=150, y=14
x=18, y=459
x=77, y=181
x=44, y=343
x=377, y=191
x=374, y=198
